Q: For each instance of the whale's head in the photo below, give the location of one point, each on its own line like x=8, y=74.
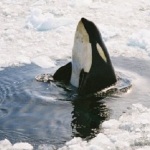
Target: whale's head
x=89, y=53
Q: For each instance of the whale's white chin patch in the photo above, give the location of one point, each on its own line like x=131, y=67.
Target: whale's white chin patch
x=81, y=54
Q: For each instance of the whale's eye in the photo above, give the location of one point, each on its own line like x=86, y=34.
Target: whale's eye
x=101, y=52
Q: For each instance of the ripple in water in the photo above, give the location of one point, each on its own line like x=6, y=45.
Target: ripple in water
x=3, y=112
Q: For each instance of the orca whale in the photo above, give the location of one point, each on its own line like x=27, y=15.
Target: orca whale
x=91, y=69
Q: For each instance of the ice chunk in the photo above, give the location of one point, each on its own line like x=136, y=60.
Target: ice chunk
x=6, y=145
x=109, y=32
x=112, y=123
x=43, y=61
x=78, y=3
x=21, y=146
x=43, y=22
x=140, y=39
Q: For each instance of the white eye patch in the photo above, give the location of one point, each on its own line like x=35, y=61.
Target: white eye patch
x=101, y=52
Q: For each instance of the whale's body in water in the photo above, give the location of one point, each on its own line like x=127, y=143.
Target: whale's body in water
x=91, y=69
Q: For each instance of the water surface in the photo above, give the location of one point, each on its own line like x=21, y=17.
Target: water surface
x=40, y=113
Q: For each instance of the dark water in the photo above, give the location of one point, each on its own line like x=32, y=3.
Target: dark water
x=38, y=113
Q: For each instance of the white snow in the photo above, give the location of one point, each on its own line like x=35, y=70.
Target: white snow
x=22, y=38
x=140, y=40
x=42, y=31
x=78, y=3
x=42, y=22
x=45, y=61
x=6, y=145
x=109, y=32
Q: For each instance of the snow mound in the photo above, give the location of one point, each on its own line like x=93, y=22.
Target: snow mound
x=78, y=3
x=140, y=40
x=44, y=61
x=43, y=22
x=108, y=32
x=6, y=145
x=130, y=131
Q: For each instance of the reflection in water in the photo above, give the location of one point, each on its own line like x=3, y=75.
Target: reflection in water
x=87, y=116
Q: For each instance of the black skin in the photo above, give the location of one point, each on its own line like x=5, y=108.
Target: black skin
x=101, y=74
x=63, y=74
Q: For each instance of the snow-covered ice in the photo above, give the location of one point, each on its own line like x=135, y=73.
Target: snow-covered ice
x=42, y=32
x=36, y=20
x=22, y=41
x=140, y=39
x=78, y=3
x=6, y=145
